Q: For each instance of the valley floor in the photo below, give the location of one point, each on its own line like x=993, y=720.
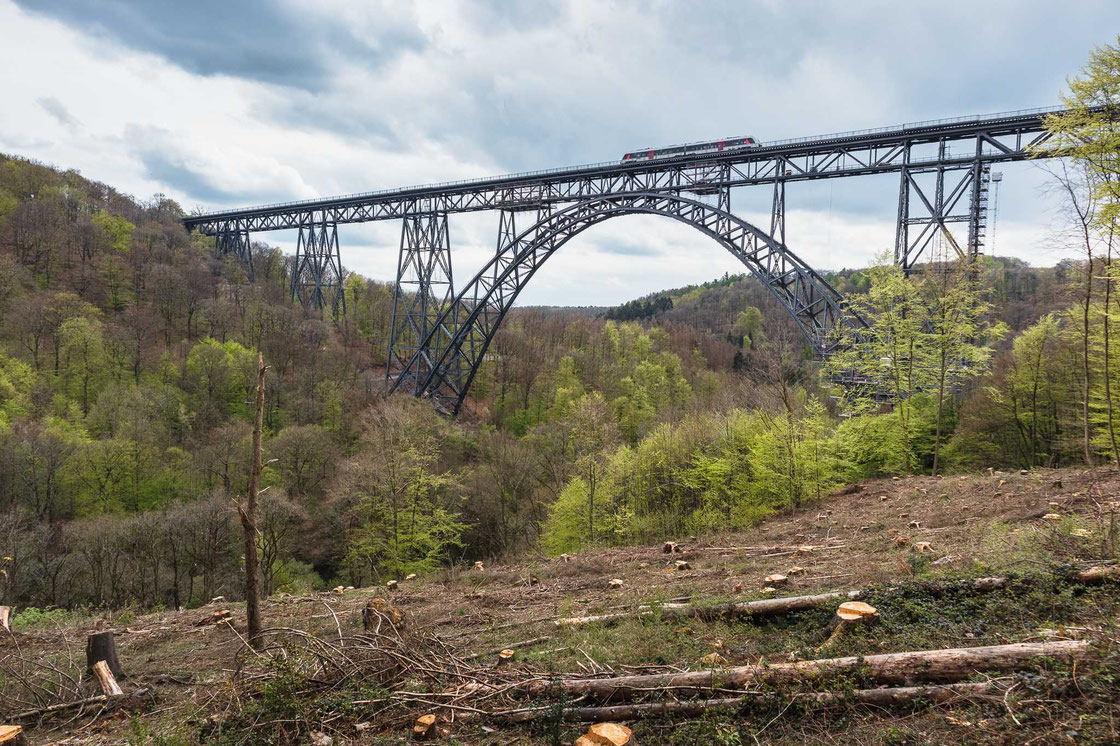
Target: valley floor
x=910, y=545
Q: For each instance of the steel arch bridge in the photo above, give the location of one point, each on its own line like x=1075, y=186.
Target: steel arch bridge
x=440, y=336
x=445, y=362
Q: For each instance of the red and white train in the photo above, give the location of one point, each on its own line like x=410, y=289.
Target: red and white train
x=716, y=146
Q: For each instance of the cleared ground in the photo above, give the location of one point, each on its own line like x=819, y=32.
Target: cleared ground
x=1036, y=528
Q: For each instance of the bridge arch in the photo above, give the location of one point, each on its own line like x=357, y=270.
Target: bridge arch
x=449, y=358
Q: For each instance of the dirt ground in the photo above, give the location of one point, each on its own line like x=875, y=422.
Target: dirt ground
x=872, y=536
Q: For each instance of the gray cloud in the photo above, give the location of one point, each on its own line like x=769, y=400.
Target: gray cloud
x=259, y=40
x=55, y=108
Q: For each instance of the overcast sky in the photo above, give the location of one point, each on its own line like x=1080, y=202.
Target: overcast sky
x=220, y=103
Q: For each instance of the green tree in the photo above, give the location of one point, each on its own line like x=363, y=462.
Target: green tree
x=83, y=353
x=891, y=356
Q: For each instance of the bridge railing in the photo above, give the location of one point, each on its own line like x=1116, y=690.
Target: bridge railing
x=614, y=163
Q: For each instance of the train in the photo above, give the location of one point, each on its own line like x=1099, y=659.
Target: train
x=715, y=146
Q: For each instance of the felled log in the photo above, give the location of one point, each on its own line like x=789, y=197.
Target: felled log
x=884, y=697
x=1099, y=574
x=12, y=735
x=947, y=665
x=105, y=680
x=6, y=618
x=763, y=608
x=101, y=646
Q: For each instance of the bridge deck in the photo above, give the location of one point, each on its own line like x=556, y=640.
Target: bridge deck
x=995, y=137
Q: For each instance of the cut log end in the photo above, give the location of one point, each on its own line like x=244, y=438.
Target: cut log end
x=12, y=735
x=849, y=614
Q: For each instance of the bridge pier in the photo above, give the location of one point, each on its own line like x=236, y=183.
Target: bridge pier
x=317, y=269
x=932, y=200
x=234, y=239
x=424, y=289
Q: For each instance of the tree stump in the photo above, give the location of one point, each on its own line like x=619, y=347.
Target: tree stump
x=101, y=646
x=377, y=609
x=505, y=656
x=848, y=615
x=775, y=581
x=6, y=618
x=423, y=727
x=12, y=735
x=609, y=734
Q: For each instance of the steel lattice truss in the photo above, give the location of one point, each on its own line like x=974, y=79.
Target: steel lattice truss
x=957, y=144
x=439, y=337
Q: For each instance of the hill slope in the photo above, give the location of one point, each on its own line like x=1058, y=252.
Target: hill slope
x=868, y=539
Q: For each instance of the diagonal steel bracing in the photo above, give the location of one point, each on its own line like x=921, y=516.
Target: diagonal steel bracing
x=317, y=273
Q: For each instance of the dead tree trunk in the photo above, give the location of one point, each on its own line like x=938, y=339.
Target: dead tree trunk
x=6, y=618
x=248, y=514
x=907, y=668
x=102, y=646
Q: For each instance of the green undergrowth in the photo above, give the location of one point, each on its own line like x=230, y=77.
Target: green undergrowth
x=942, y=611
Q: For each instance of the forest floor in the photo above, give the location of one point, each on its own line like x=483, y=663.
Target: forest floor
x=1031, y=527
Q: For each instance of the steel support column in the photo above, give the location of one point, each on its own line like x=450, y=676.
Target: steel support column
x=942, y=212
x=778, y=213
x=317, y=273
x=423, y=291
x=234, y=239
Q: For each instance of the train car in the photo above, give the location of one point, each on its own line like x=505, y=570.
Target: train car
x=716, y=146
